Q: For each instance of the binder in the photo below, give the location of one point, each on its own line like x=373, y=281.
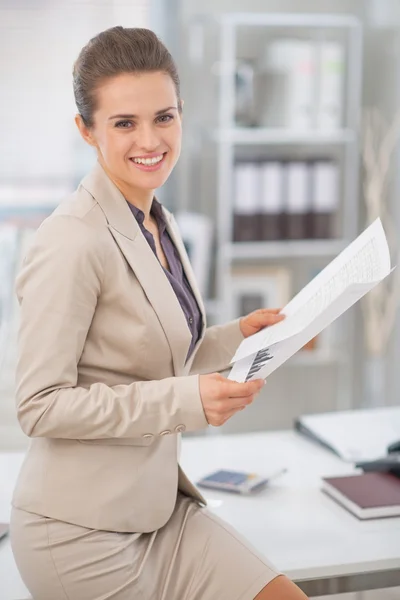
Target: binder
x=297, y=202
x=324, y=198
x=331, y=86
x=272, y=200
x=286, y=84
x=246, y=218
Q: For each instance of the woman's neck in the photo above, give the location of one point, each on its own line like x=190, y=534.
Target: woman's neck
x=142, y=199
x=143, y=204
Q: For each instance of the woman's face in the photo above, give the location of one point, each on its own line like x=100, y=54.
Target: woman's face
x=137, y=130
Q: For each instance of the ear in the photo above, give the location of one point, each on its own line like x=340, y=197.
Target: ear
x=84, y=130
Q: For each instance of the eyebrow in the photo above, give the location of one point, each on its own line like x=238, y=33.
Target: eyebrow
x=159, y=112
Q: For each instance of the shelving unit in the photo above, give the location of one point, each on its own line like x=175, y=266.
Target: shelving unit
x=261, y=135
x=283, y=249
x=230, y=140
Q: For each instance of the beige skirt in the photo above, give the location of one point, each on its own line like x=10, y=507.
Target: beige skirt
x=195, y=556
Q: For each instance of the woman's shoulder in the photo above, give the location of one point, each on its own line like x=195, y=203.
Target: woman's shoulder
x=77, y=220
x=75, y=233
x=81, y=206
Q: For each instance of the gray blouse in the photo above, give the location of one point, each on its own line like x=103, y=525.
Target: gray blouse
x=175, y=274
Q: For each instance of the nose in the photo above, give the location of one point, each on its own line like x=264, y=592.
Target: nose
x=147, y=138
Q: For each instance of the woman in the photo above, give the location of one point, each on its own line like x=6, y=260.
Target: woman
x=112, y=343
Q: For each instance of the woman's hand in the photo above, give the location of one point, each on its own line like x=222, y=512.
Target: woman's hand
x=259, y=319
x=222, y=398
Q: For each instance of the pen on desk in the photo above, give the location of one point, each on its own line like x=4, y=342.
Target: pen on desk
x=276, y=474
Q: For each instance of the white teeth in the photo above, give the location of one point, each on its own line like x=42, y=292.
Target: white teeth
x=148, y=161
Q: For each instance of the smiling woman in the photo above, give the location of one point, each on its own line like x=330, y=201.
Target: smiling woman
x=130, y=109
x=115, y=361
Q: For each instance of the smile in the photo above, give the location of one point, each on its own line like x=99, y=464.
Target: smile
x=148, y=164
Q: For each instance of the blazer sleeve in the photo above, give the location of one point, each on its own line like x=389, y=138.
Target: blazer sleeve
x=217, y=348
x=58, y=289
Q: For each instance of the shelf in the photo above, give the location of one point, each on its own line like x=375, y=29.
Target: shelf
x=284, y=249
x=260, y=135
x=310, y=20
x=313, y=358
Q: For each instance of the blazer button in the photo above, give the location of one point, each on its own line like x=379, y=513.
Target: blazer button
x=147, y=436
x=166, y=432
x=180, y=428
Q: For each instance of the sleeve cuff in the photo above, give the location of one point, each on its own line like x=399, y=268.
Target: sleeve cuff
x=188, y=392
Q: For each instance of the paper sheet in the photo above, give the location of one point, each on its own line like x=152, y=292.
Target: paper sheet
x=348, y=433
x=355, y=271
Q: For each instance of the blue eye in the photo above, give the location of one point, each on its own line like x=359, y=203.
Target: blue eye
x=123, y=124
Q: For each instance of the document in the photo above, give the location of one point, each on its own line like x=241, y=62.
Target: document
x=353, y=273
x=354, y=435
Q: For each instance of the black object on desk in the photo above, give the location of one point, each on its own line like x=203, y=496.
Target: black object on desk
x=395, y=447
x=387, y=464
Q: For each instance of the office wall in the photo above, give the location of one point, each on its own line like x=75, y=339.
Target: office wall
x=39, y=42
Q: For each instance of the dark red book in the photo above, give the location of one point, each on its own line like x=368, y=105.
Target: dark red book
x=368, y=495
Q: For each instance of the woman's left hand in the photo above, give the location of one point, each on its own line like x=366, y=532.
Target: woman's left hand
x=259, y=319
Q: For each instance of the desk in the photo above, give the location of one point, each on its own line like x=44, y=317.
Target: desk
x=308, y=536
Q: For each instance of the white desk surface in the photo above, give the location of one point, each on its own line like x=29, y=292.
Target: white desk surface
x=301, y=530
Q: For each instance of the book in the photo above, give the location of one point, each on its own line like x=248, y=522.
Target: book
x=348, y=433
x=353, y=273
x=367, y=495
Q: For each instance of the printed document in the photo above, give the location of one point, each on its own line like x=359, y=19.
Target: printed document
x=353, y=273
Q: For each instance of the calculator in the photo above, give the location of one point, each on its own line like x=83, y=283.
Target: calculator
x=234, y=481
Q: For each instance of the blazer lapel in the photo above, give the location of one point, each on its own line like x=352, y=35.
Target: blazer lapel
x=140, y=257
x=173, y=231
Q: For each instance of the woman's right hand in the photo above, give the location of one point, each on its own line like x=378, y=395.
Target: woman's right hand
x=222, y=398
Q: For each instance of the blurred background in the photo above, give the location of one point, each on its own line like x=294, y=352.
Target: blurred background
x=291, y=126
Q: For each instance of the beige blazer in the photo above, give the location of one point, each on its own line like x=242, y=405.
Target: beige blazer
x=102, y=384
